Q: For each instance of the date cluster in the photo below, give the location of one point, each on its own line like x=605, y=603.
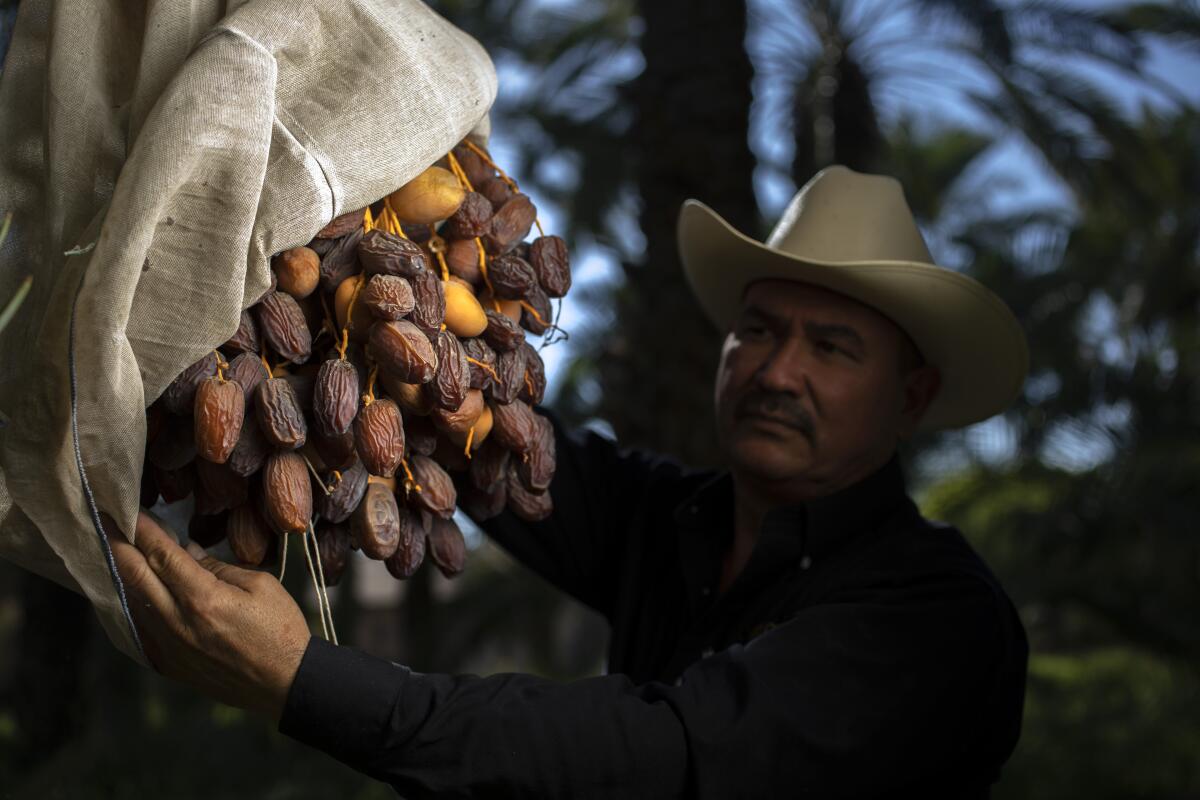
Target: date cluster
x=383, y=380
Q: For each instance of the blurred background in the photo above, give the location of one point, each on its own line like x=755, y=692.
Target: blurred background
x=1050, y=149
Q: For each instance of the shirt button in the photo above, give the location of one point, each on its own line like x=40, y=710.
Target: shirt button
x=679, y=681
x=706, y=652
x=693, y=509
x=706, y=591
x=805, y=562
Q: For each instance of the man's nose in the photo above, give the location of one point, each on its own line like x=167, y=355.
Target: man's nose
x=785, y=368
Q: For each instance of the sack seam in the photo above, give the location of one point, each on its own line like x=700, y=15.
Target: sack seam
x=93, y=511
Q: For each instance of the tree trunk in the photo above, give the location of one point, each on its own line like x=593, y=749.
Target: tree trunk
x=690, y=140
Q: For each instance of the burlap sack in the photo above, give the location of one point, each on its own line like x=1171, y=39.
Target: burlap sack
x=155, y=155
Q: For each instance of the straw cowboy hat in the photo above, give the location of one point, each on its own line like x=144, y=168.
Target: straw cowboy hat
x=854, y=234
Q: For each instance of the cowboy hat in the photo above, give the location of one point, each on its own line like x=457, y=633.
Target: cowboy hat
x=854, y=234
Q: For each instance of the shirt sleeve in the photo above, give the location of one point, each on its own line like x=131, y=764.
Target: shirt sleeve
x=599, y=490
x=863, y=696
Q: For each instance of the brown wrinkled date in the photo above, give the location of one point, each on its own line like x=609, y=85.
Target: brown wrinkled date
x=536, y=467
x=458, y=421
x=341, y=260
x=410, y=550
x=279, y=414
x=510, y=224
x=512, y=277
x=379, y=437
x=245, y=338
x=389, y=296
x=437, y=493
x=477, y=170
x=180, y=395
x=534, y=389
x=341, y=225
x=376, y=523
x=510, y=372
x=383, y=253
x=335, y=397
x=248, y=535
x=536, y=312
x=502, y=333
x=429, y=307
x=481, y=505
x=452, y=379
x=419, y=434
x=473, y=218
x=336, y=451
x=527, y=505
x=489, y=466
x=287, y=492
x=248, y=372
x=550, y=260
x=403, y=351
x=345, y=495
x=481, y=359
x=409, y=396
x=462, y=259
x=515, y=426
x=446, y=546
x=220, y=406
x=283, y=325
x=496, y=191
x=251, y=450
x=333, y=548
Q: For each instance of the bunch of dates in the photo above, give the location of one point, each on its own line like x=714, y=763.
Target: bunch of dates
x=384, y=379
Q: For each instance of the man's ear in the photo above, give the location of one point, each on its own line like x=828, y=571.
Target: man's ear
x=921, y=386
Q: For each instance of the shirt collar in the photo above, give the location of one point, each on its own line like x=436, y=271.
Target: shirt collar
x=811, y=529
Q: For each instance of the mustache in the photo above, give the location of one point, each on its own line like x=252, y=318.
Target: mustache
x=781, y=406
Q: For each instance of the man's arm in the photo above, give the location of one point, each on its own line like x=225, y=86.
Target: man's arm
x=873, y=690
x=860, y=697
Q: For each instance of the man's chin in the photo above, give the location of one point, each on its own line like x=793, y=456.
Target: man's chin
x=770, y=459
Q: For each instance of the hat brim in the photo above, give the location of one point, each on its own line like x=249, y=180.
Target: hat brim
x=958, y=324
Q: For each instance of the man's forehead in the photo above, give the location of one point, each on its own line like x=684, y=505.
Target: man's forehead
x=784, y=297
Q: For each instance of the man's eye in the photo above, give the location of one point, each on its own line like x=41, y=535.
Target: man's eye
x=753, y=331
x=826, y=346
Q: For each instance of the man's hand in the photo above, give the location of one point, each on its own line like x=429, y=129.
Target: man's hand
x=232, y=633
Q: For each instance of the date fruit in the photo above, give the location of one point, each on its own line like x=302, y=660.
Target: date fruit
x=403, y=351
x=220, y=407
x=297, y=271
x=346, y=494
x=379, y=437
x=287, y=491
x=280, y=415
x=447, y=547
x=376, y=523
x=335, y=397
x=282, y=323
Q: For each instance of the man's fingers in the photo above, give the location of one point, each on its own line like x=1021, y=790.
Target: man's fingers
x=178, y=571
x=142, y=585
x=245, y=579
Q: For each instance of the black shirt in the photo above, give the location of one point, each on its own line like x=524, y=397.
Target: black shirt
x=862, y=652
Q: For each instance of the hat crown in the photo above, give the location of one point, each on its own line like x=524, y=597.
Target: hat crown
x=843, y=216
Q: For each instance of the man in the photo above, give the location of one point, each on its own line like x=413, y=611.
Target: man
x=791, y=627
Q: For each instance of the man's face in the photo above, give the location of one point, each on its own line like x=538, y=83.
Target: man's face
x=814, y=389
